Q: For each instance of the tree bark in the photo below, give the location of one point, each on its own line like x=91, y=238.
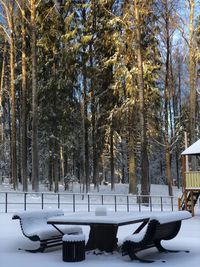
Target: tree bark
x=132, y=165
x=145, y=186
x=24, y=104
x=13, y=107
x=86, y=142
x=55, y=166
x=192, y=77
x=112, y=165
x=35, y=163
x=1, y=93
x=85, y=112
x=167, y=71
x=94, y=131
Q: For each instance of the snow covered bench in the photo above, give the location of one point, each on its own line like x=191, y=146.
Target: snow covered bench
x=163, y=227
x=34, y=226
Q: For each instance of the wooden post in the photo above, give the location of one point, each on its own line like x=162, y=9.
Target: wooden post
x=179, y=203
x=192, y=202
x=183, y=159
x=186, y=156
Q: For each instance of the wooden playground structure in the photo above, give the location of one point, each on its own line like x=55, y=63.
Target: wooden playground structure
x=191, y=180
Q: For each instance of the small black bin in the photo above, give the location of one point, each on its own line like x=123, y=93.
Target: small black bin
x=73, y=247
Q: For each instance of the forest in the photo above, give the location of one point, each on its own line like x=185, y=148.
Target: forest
x=98, y=91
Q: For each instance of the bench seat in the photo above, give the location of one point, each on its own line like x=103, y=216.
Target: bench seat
x=163, y=227
x=34, y=226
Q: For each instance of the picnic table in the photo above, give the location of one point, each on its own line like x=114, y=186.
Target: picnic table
x=103, y=229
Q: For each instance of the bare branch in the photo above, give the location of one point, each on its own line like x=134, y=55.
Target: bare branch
x=5, y=31
x=22, y=11
x=113, y=15
x=182, y=31
x=50, y=11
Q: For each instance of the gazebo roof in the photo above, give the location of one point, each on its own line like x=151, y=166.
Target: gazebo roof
x=194, y=149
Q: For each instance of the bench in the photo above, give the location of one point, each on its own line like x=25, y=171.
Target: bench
x=34, y=226
x=158, y=228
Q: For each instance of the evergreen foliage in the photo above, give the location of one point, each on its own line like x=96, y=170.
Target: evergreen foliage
x=92, y=75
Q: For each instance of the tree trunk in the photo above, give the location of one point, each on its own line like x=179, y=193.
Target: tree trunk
x=94, y=141
x=93, y=111
x=19, y=120
x=167, y=71
x=132, y=165
x=35, y=163
x=124, y=168
x=112, y=165
x=62, y=163
x=145, y=187
x=86, y=143
x=24, y=104
x=1, y=94
x=66, y=163
x=192, y=76
x=12, y=84
x=8, y=111
x=50, y=174
x=55, y=166
x=2, y=112
x=85, y=112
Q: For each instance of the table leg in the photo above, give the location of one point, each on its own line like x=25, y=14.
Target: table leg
x=61, y=232
x=102, y=237
x=140, y=227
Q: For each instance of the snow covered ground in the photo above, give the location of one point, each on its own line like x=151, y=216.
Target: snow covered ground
x=73, y=200
x=11, y=238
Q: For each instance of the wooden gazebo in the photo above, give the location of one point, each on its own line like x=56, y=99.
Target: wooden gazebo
x=191, y=180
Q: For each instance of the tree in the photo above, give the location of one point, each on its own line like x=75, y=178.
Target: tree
x=35, y=178
x=59, y=116
x=134, y=60
x=145, y=186
x=167, y=11
x=4, y=48
x=188, y=28
x=192, y=77
x=24, y=100
x=167, y=95
x=8, y=9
